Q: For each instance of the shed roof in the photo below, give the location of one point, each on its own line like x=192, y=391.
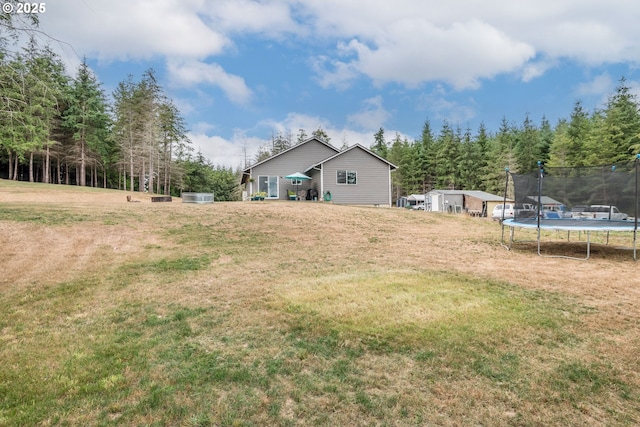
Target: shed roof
x=482, y=195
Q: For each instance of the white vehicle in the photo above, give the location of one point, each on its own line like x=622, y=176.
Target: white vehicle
x=511, y=210
x=499, y=213
x=599, y=212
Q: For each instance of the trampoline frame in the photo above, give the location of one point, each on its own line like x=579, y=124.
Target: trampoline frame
x=581, y=225
x=540, y=223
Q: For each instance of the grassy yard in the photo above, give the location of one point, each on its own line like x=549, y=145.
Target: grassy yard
x=302, y=314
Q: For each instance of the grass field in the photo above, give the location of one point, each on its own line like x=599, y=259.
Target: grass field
x=302, y=314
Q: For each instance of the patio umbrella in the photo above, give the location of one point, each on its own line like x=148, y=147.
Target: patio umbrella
x=299, y=176
x=296, y=179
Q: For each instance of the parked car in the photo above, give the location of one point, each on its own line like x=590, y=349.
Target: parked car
x=498, y=213
x=513, y=210
x=598, y=212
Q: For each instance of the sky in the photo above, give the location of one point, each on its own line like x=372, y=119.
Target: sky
x=241, y=71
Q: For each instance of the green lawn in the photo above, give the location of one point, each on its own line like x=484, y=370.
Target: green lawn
x=253, y=314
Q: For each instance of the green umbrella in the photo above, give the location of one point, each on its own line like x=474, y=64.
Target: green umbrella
x=298, y=175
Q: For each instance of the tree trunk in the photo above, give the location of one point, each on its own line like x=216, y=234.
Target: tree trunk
x=15, y=169
x=31, y=167
x=150, y=183
x=10, y=164
x=141, y=179
x=158, y=189
x=131, y=166
x=83, y=171
x=45, y=169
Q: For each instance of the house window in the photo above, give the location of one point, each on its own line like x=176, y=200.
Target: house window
x=347, y=177
x=296, y=182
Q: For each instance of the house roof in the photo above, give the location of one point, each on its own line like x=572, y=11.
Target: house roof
x=482, y=195
x=246, y=170
x=340, y=153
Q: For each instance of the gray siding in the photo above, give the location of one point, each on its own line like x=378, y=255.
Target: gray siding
x=373, y=186
x=297, y=159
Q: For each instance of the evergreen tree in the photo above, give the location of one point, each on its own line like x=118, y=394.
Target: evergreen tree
x=622, y=126
x=482, y=147
x=87, y=118
x=321, y=134
x=397, y=154
x=279, y=143
x=174, y=144
x=560, y=150
x=545, y=140
x=425, y=155
x=469, y=164
x=13, y=119
x=578, y=130
x=302, y=136
x=501, y=156
x=380, y=145
x=527, y=147
x=447, y=158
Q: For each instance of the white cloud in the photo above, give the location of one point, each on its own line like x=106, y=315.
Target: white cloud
x=240, y=147
x=600, y=85
x=334, y=73
x=372, y=116
x=438, y=103
x=535, y=69
x=461, y=43
x=413, y=51
x=234, y=152
x=124, y=29
x=188, y=73
x=270, y=18
x=403, y=41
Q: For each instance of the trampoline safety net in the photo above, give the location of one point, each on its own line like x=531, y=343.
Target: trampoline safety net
x=602, y=193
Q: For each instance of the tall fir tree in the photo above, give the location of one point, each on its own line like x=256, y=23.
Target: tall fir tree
x=379, y=145
x=87, y=118
x=622, y=126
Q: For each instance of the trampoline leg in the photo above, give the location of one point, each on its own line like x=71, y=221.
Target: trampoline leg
x=589, y=244
x=502, y=242
x=512, y=233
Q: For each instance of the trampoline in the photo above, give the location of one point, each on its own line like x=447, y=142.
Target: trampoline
x=586, y=200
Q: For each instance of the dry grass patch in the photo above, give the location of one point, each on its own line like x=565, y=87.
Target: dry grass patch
x=115, y=313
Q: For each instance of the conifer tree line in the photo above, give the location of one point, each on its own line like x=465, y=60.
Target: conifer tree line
x=57, y=128
x=456, y=158
x=60, y=129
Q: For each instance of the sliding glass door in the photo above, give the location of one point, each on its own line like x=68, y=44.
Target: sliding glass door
x=269, y=185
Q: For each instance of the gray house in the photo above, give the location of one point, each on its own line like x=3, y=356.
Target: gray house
x=355, y=176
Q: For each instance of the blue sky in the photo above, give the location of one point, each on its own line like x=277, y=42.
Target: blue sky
x=241, y=70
